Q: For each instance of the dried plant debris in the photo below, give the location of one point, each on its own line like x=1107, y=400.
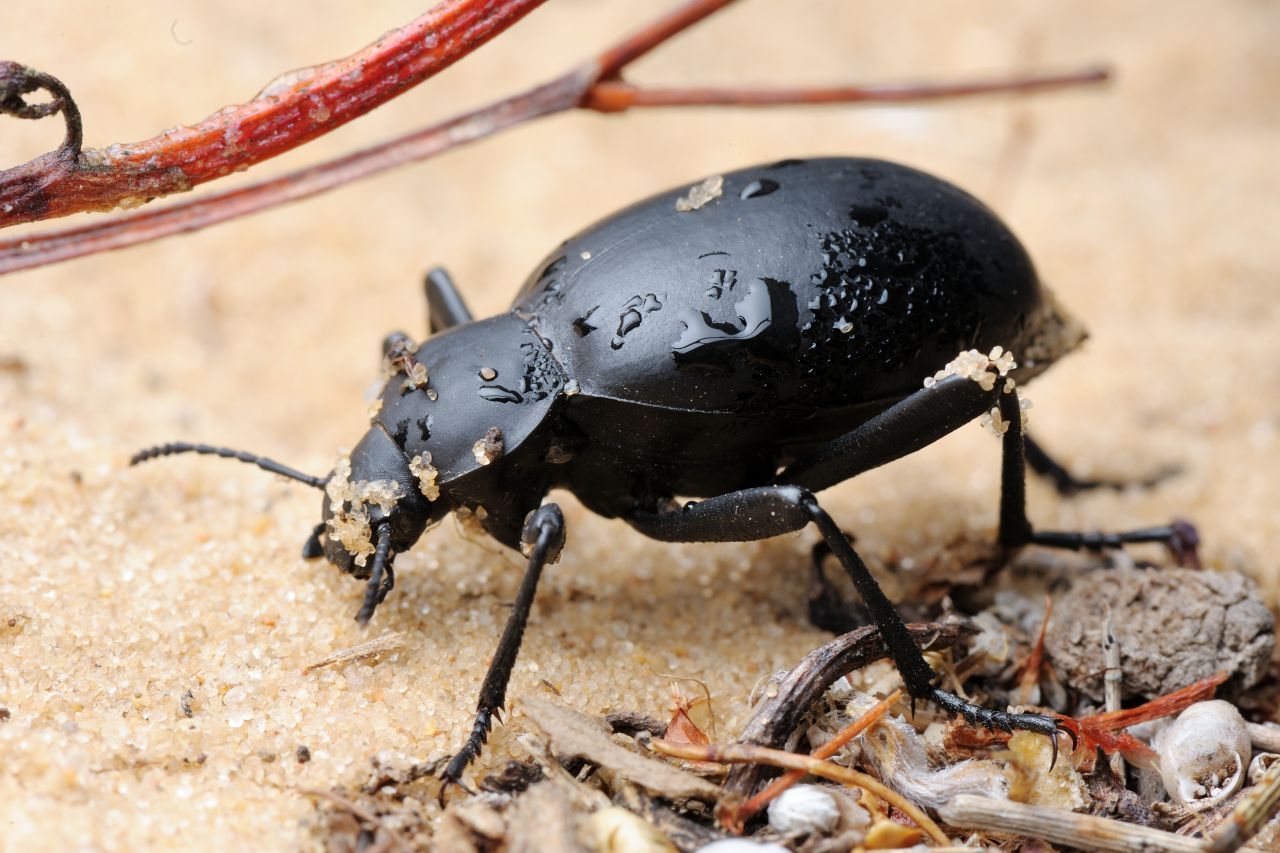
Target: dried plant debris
x=861, y=769
x=779, y=715
x=1174, y=626
x=572, y=733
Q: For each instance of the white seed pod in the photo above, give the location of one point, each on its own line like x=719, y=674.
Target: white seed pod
x=1204, y=753
x=616, y=830
x=804, y=810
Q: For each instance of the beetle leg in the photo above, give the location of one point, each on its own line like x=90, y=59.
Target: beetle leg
x=1067, y=484
x=445, y=305
x=767, y=511
x=1179, y=537
x=543, y=539
x=914, y=422
x=373, y=590
x=312, y=549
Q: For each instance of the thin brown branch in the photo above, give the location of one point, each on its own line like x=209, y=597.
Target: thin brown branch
x=631, y=48
x=593, y=85
x=293, y=109
x=745, y=753
x=615, y=96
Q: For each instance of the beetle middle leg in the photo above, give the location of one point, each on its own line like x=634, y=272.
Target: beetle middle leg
x=766, y=511
x=543, y=540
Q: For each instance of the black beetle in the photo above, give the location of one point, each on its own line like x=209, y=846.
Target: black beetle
x=755, y=342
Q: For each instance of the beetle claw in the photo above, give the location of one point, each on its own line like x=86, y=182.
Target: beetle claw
x=447, y=782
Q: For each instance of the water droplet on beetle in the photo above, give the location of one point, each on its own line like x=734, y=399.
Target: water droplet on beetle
x=583, y=325
x=884, y=297
x=758, y=188
x=754, y=315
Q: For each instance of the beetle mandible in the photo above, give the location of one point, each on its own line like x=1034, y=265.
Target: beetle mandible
x=750, y=345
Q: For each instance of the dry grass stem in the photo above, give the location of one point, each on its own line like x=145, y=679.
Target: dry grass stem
x=1111, y=681
x=1058, y=826
x=385, y=643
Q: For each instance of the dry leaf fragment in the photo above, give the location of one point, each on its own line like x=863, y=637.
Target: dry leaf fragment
x=573, y=733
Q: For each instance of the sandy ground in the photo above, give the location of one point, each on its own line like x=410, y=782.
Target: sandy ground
x=1150, y=206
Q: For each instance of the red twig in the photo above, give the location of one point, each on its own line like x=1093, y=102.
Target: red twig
x=293, y=109
x=305, y=105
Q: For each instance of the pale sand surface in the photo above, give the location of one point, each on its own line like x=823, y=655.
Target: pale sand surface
x=1150, y=206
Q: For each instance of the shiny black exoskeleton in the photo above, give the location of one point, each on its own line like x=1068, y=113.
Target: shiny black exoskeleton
x=749, y=341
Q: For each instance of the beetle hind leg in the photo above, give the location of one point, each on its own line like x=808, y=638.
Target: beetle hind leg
x=1180, y=537
x=1068, y=484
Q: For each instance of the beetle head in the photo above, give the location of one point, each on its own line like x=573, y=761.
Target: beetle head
x=372, y=493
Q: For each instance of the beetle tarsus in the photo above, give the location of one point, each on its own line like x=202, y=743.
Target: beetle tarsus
x=1006, y=721
x=452, y=774
x=1180, y=537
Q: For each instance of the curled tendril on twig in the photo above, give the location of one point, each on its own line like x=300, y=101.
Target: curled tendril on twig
x=18, y=80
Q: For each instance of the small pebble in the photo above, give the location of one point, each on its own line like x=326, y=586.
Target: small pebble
x=804, y=809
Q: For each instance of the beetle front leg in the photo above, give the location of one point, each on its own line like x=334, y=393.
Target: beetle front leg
x=767, y=511
x=1179, y=537
x=543, y=539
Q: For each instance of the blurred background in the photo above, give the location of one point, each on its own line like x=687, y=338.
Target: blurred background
x=1149, y=205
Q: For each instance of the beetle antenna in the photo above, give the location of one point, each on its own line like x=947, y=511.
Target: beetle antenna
x=373, y=592
x=227, y=453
